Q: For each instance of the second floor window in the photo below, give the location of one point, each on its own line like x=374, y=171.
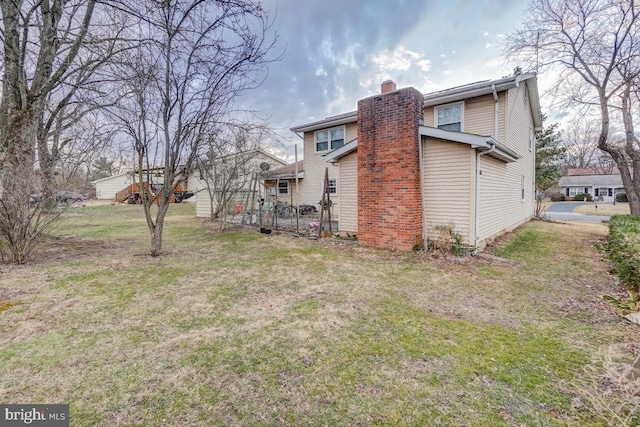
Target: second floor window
x=449, y=117
x=329, y=139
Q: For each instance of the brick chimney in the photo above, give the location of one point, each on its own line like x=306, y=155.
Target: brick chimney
x=387, y=86
x=389, y=190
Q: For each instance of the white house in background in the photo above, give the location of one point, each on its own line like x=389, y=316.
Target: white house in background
x=253, y=161
x=601, y=187
x=405, y=164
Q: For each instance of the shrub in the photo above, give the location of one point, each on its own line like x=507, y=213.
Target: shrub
x=582, y=197
x=446, y=239
x=621, y=198
x=557, y=197
x=623, y=250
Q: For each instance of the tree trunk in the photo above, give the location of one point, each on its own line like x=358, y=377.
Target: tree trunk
x=17, y=182
x=157, y=228
x=156, y=239
x=47, y=179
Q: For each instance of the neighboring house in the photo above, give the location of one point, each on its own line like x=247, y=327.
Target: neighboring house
x=106, y=188
x=281, y=182
x=601, y=187
x=250, y=163
x=405, y=163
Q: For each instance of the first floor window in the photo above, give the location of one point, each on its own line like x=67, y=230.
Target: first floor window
x=333, y=186
x=449, y=117
x=329, y=139
x=283, y=187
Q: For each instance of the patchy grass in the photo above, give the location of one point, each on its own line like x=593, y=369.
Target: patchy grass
x=240, y=328
x=604, y=209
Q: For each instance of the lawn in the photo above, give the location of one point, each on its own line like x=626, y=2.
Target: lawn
x=607, y=209
x=241, y=328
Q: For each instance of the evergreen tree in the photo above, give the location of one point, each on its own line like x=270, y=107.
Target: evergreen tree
x=550, y=154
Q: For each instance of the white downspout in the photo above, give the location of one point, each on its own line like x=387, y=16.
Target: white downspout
x=477, y=201
x=496, y=109
x=424, y=214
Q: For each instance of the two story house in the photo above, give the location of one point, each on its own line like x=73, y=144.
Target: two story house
x=405, y=163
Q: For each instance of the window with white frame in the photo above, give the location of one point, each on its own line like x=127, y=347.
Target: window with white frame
x=449, y=117
x=283, y=188
x=574, y=191
x=329, y=139
x=333, y=186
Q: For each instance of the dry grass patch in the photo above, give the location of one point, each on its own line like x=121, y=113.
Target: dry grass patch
x=239, y=328
x=605, y=209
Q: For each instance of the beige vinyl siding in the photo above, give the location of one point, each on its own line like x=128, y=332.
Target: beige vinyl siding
x=348, y=194
x=203, y=203
x=314, y=169
x=501, y=206
x=107, y=188
x=449, y=186
x=479, y=116
x=429, y=119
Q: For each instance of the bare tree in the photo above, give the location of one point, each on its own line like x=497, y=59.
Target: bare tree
x=593, y=47
x=42, y=43
x=230, y=166
x=580, y=140
x=181, y=84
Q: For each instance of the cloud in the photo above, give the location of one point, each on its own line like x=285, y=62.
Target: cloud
x=331, y=48
x=337, y=51
x=400, y=59
x=425, y=65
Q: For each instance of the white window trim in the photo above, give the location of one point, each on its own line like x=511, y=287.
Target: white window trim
x=435, y=113
x=278, y=188
x=315, y=145
x=336, y=186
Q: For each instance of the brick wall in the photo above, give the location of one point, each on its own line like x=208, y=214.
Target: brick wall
x=389, y=201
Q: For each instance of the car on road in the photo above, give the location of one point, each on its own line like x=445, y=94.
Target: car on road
x=68, y=197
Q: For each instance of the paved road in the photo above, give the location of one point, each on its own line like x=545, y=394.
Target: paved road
x=564, y=212
x=565, y=206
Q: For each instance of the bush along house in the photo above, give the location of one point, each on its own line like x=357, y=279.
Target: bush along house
x=406, y=165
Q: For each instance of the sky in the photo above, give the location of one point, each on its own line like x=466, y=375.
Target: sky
x=337, y=52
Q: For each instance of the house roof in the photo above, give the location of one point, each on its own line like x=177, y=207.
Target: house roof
x=454, y=94
x=613, y=180
x=482, y=143
x=94, y=182
x=288, y=171
x=589, y=171
x=335, y=155
x=253, y=151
